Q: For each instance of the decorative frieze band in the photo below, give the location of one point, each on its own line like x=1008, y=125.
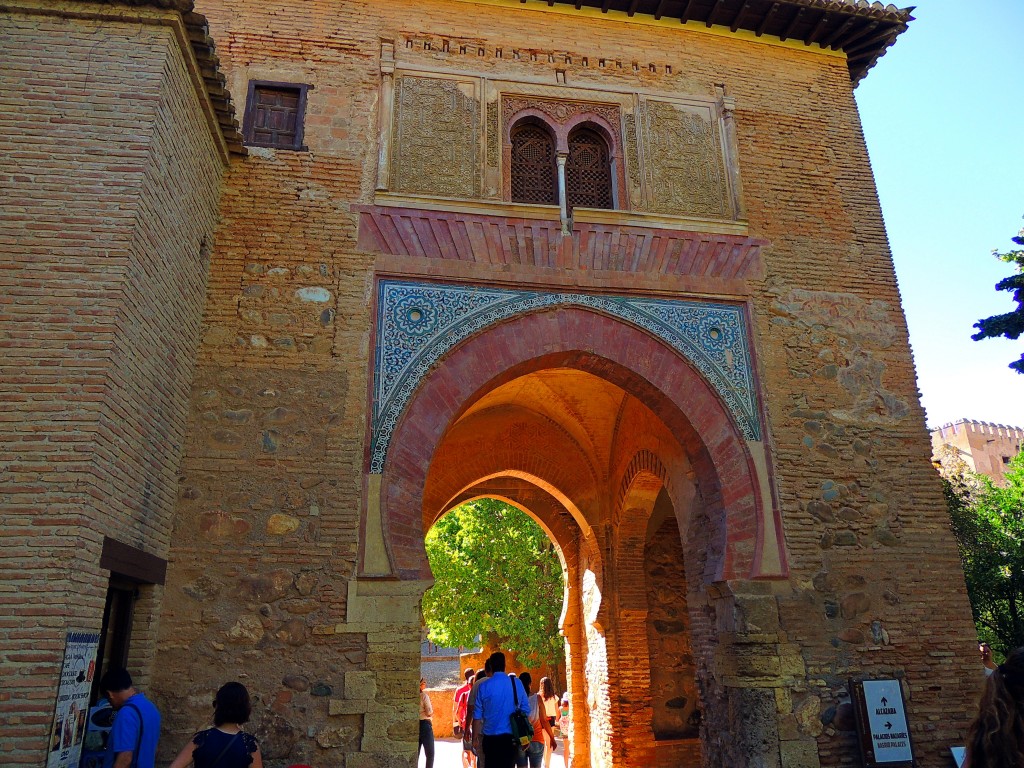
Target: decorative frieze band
x=495, y=239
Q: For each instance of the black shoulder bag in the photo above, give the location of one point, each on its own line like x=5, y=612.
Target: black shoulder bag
x=522, y=731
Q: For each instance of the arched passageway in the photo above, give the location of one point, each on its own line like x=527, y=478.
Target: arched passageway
x=635, y=468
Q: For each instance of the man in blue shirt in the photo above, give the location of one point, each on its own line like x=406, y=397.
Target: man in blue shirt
x=496, y=699
x=137, y=724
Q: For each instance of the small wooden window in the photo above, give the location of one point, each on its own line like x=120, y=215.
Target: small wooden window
x=534, y=171
x=588, y=171
x=274, y=115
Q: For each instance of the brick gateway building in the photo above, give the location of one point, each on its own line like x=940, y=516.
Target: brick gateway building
x=621, y=264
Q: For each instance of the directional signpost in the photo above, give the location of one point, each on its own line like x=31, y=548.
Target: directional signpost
x=882, y=723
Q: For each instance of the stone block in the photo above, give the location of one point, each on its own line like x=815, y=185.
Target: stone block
x=361, y=685
x=756, y=614
x=802, y=753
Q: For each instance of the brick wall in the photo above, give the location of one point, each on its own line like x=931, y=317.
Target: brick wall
x=110, y=184
x=267, y=523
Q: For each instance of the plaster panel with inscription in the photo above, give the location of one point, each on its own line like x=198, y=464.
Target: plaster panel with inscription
x=436, y=137
x=684, y=160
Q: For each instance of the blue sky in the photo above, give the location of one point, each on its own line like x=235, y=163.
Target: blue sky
x=943, y=115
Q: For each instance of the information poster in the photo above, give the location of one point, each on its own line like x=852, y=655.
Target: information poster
x=69, y=718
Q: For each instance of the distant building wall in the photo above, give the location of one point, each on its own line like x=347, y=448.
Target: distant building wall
x=986, y=448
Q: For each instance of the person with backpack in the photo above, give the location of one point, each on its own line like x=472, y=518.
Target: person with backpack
x=136, y=729
x=498, y=697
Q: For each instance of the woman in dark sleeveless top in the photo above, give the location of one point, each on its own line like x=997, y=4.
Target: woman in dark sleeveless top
x=225, y=745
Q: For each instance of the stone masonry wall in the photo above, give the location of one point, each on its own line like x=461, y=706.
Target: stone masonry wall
x=110, y=182
x=268, y=517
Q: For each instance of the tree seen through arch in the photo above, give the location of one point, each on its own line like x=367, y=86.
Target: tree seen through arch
x=496, y=573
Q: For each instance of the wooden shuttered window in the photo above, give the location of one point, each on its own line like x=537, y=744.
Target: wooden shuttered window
x=588, y=171
x=534, y=173
x=275, y=114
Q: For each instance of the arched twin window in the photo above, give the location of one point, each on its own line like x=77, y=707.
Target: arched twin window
x=534, y=171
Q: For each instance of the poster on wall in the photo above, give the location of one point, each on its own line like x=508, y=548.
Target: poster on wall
x=69, y=717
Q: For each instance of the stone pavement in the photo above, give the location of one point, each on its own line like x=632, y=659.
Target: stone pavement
x=448, y=754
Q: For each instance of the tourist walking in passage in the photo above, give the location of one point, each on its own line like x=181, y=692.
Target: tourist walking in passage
x=426, y=724
x=563, y=716
x=136, y=728
x=476, y=755
x=225, y=745
x=550, y=701
x=460, y=707
x=497, y=698
x=995, y=738
x=543, y=737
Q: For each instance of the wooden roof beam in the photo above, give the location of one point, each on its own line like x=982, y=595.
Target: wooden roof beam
x=738, y=18
x=685, y=15
x=867, y=29
x=829, y=41
x=632, y=8
x=712, y=16
x=818, y=29
x=660, y=9
x=791, y=27
x=871, y=41
x=767, y=18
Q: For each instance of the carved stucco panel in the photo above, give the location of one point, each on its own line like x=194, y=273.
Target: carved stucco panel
x=632, y=152
x=685, y=169
x=436, y=133
x=493, y=138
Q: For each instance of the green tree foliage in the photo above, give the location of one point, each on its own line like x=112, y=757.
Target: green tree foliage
x=495, y=573
x=1009, y=324
x=988, y=522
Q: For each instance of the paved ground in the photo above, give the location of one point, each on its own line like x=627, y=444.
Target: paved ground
x=441, y=672
x=448, y=754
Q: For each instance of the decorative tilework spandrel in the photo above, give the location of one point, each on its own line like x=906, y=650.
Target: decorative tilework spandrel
x=436, y=137
x=417, y=323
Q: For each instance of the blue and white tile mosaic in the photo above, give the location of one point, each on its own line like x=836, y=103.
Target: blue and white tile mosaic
x=417, y=323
